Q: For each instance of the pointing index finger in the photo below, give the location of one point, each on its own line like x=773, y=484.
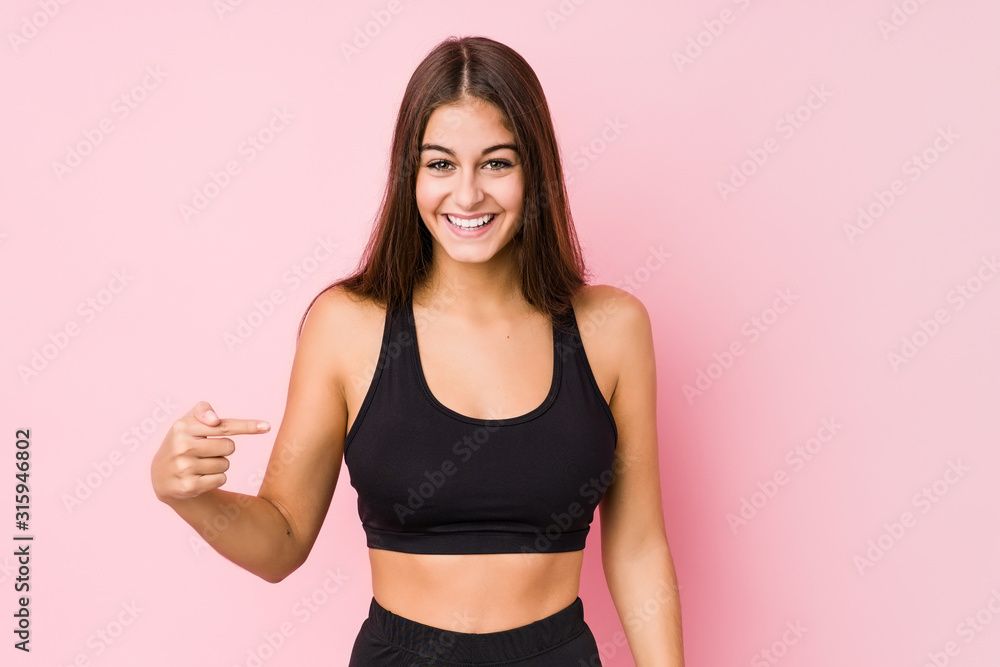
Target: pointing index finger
x=231, y=427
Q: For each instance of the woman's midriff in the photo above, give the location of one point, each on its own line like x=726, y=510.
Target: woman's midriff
x=475, y=593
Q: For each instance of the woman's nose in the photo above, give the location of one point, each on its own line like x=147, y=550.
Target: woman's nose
x=468, y=192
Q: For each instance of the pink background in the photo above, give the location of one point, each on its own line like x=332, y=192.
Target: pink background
x=646, y=139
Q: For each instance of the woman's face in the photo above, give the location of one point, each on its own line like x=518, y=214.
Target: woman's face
x=469, y=170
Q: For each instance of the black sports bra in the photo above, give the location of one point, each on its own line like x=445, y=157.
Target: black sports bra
x=433, y=481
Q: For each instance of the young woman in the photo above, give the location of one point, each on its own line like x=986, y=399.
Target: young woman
x=483, y=397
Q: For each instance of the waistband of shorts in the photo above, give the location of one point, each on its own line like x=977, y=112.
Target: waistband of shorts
x=446, y=645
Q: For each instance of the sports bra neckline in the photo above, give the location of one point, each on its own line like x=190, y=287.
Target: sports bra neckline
x=414, y=351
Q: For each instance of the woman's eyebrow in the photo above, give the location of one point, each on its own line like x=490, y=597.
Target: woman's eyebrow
x=435, y=147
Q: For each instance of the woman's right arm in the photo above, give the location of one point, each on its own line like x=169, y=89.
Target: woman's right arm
x=272, y=533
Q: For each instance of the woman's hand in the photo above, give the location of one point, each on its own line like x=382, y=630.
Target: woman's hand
x=189, y=462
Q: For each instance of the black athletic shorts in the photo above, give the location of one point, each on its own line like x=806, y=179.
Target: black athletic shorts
x=560, y=640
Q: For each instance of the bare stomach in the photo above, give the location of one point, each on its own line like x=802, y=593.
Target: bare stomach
x=475, y=593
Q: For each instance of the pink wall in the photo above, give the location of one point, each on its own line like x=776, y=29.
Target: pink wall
x=855, y=431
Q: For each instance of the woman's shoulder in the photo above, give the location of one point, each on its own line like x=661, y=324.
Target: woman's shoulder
x=348, y=324
x=607, y=303
x=612, y=322
x=339, y=303
x=347, y=317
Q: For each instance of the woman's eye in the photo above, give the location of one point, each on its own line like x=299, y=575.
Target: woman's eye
x=494, y=165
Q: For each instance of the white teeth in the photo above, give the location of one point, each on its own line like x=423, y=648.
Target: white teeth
x=470, y=224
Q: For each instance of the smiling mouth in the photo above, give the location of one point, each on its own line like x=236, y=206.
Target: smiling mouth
x=471, y=223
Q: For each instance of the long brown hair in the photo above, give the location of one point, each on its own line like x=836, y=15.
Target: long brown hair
x=546, y=248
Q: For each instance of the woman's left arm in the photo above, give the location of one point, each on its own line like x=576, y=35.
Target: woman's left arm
x=637, y=562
